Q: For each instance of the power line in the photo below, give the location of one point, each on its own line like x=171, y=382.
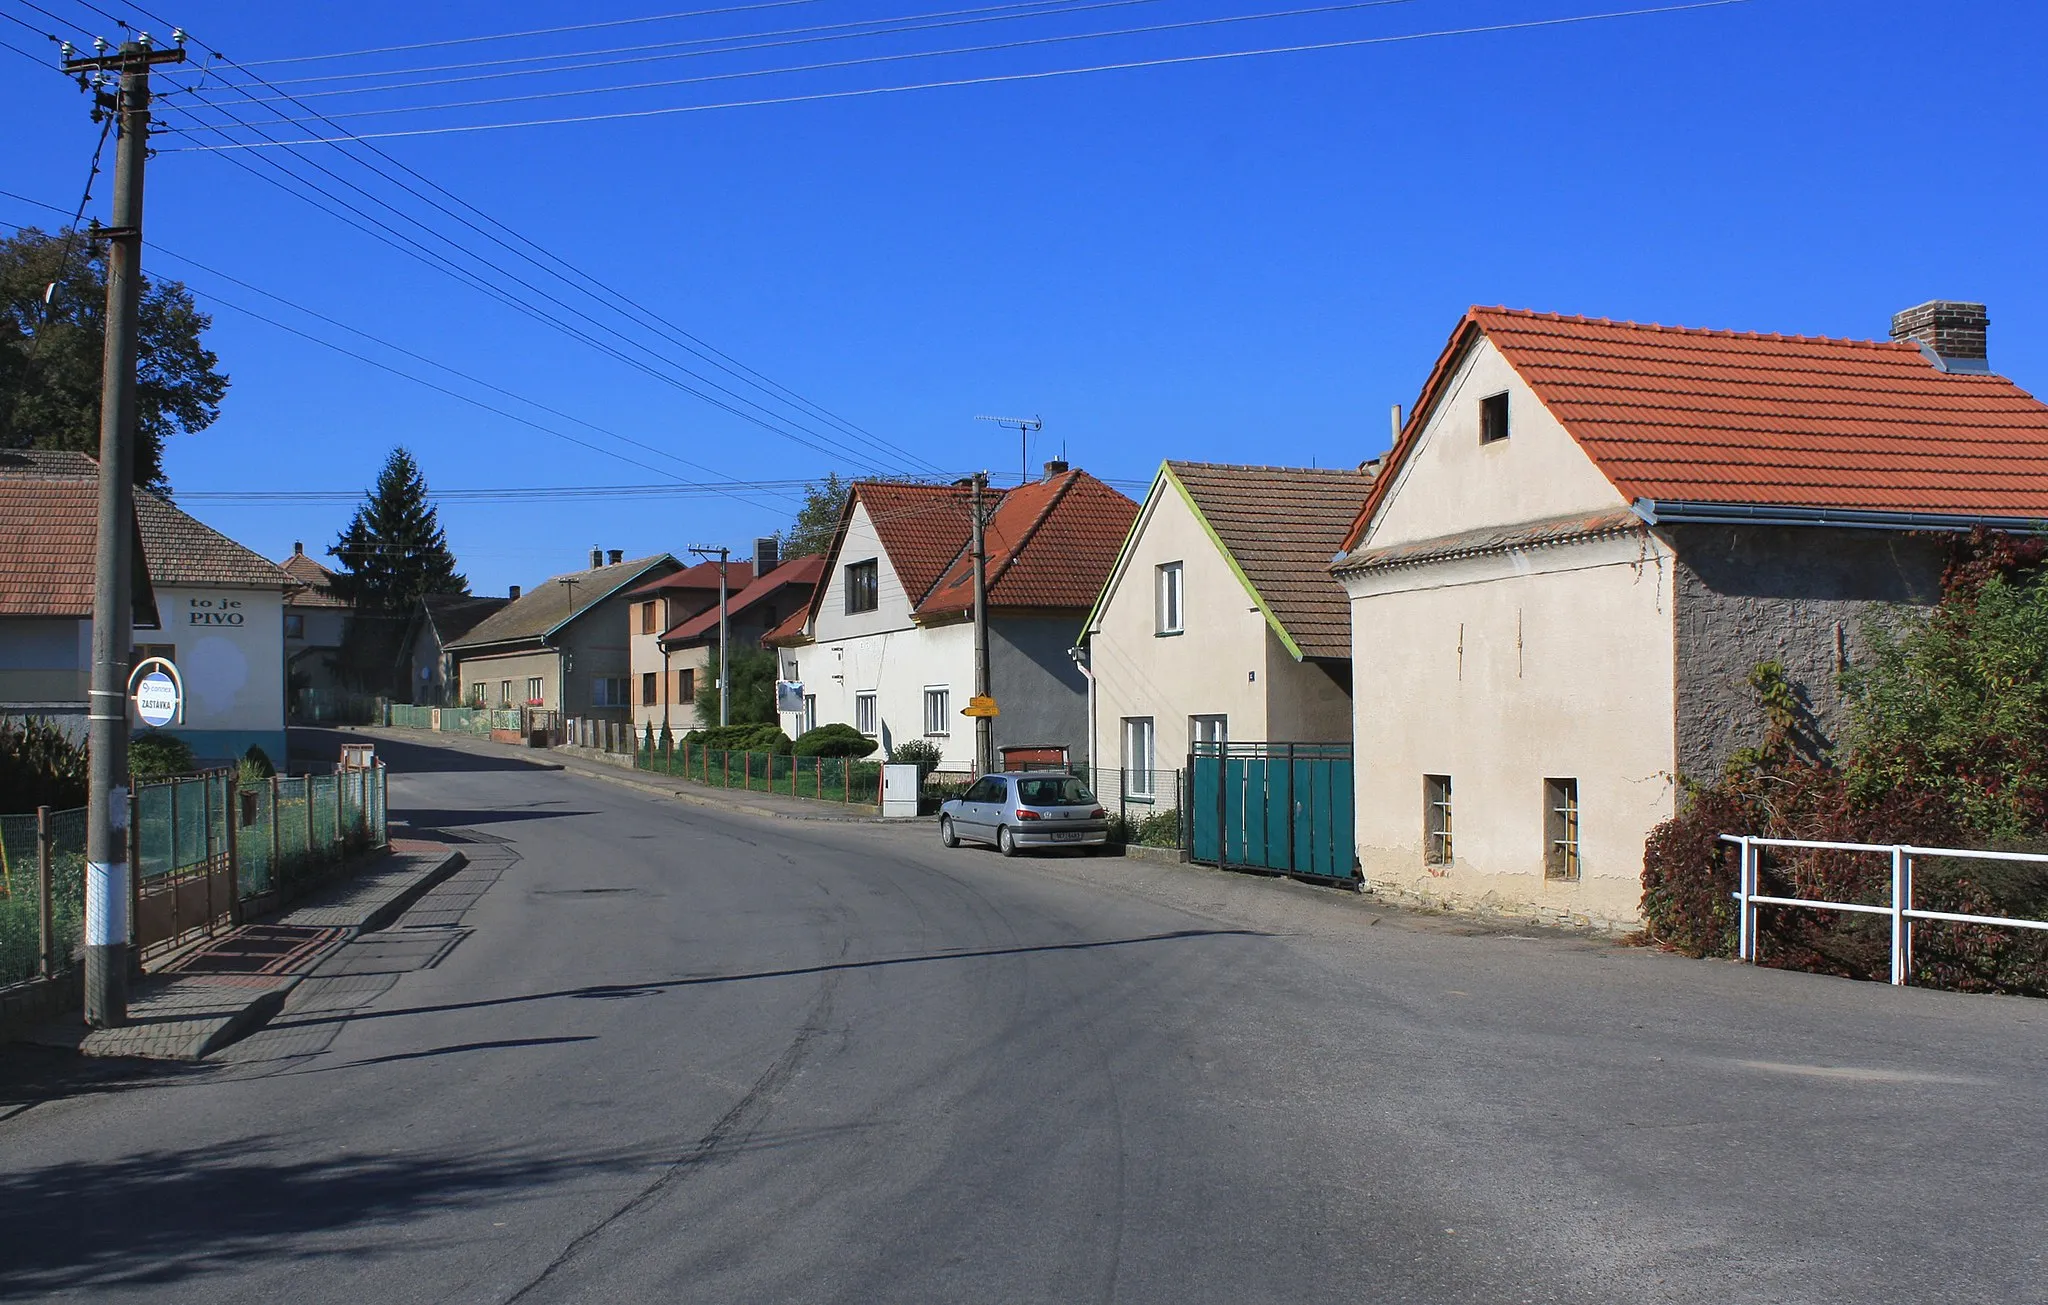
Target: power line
x=839, y=64
x=516, y=494
x=912, y=23
x=538, y=31
x=986, y=80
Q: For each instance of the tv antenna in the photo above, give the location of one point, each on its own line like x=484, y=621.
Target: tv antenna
x=1023, y=426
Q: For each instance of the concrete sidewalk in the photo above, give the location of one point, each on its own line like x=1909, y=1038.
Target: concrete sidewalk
x=618, y=769
x=231, y=986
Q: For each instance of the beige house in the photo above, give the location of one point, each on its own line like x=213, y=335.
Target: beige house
x=674, y=628
x=1220, y=621
x=1587, y=536
x=560, y=646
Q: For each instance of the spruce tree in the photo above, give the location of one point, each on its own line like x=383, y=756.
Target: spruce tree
x=392, y=554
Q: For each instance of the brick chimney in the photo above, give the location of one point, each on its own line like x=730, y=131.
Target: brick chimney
x=596, y=557
x=616, y=556
x=1055, y=467
x=513, y=593
x=1952, y=332
x=767, y=555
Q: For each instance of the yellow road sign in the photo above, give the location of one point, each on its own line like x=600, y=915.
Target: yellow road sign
x=982, y=706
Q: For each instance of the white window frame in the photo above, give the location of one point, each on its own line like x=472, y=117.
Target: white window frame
x=1197, y=727
x=810, y=720
x=938, y=710
x=1169, y=599
x=534, y=689
x=1562, y=860
x=1439, y=830
x=866, y=705
x=1141, y=738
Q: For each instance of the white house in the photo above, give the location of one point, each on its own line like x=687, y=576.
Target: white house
x=1220, y=620
x=1587, y=536
x=213, y=607
x=887, y=643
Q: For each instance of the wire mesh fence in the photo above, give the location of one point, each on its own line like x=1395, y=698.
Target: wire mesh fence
x=828, y=779
x=200, y=845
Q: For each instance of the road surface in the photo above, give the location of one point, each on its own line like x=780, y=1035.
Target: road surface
x=644, y=1051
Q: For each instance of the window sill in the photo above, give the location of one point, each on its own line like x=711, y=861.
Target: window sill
x=1149, y=799
x=1168, y=634
x=938, y=734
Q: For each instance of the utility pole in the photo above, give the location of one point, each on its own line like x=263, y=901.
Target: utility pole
x=1024, y=426
x=106, y=830
x=724, y=632
x=984, y=728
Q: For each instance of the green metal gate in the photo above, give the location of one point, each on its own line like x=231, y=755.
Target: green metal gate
x=1276, y=808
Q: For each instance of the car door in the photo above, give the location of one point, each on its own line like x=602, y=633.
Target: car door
x=978, y=809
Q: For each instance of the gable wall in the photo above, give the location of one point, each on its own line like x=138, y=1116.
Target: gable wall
x=1452, y=483
x=893, y=613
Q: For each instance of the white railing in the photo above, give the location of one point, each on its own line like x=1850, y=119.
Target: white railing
x=1901, y=910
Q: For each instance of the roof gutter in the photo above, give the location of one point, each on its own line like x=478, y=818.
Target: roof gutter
x=1673, y=512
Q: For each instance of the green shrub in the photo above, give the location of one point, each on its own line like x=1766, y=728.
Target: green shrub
x=255, y=768
x=40, y=766
x=740, y=738
x=835, y=740
x=922, y=753
x=157, y=755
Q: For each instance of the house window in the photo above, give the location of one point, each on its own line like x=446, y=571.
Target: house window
x=1167, y=595
x=533, y=693
x=477, y=693
x=863, y=586
x=610, y=691
x=647, y=617
x=1493, y=418
x=1213, y=731
x=938, y=711
x=789, y=671
x=686, y=686
x=810, y=720
x=864, y=713
x=1561, y=829
x=504, y=693
x=650, y=688
x=1436, y=820
x=294, y=625
x=1138, y=756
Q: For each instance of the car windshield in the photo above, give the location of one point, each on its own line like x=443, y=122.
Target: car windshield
x=1053, y=791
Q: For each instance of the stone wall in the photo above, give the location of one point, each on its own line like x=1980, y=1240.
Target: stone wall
x=1802, y=596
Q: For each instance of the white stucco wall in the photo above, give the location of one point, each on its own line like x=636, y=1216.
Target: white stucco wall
x=897, y=665
x=229, y=649
x=1452, y=483
x=1501, y=672
x=1222, y=665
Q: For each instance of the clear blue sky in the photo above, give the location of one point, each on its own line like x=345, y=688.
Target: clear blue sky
x=1242, y=261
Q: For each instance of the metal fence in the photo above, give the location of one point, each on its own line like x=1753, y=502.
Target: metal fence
x=829, y=779
x=1900, y=909
x=478, y=721
x=203, y=848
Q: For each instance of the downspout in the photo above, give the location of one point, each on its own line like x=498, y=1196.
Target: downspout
x=1080, y=656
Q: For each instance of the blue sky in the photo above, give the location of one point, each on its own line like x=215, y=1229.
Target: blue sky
x=1242, y=261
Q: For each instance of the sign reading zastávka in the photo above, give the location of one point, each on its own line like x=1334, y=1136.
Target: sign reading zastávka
x=156, y=699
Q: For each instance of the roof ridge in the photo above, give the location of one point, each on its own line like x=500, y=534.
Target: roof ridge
x=1254, y=466
x=1710, y=332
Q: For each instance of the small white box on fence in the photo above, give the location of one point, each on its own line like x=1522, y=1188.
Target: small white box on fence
x=899, y=792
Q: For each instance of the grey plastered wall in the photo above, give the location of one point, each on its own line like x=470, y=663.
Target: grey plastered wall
x=1802, y=596
x=598, y=642
x=1042, y=695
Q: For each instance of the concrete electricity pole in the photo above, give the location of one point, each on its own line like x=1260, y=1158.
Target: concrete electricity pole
x=724, y=689
x=984, y=728
x=106, y=832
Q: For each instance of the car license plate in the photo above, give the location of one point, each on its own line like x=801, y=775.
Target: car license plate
x=1064, y=837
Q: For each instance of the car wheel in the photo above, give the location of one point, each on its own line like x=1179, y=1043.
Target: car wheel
x=1004, y=843
x=946, y=834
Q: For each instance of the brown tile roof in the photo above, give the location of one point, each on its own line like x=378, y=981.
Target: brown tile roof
x=1680, y=413
x=790, y=632
x=792, y=581
x=455, y=615
x=1282, y=525
x=552, y=604
x=49, y=508
x=317, y=579
x=1051, y=545
x=702, y=575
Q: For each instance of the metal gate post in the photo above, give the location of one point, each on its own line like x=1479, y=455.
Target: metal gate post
x=308, y=777
x=276, y=842
x=1289, y=809
x=1898, y=915
x=46, y=938
x=232, y=818
x=1908, y=949
x=1745, y=928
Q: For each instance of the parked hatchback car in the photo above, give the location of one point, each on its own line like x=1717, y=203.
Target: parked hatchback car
x=1016, y=810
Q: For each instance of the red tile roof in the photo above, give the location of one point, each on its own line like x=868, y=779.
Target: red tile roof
x=1051, y=545
x=49, y=510
x=923, y=528
x=1680, y=413
x=790, y=631
x=702, y=575
x=317, y=579
x=793, y=578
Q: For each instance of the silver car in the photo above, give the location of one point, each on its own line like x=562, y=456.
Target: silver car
x=1033, y=808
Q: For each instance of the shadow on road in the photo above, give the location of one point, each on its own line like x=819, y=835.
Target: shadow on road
x=622, y=991
x=314, y=745
x=431, y=818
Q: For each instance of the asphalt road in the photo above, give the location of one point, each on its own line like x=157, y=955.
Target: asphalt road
x=642, y=1051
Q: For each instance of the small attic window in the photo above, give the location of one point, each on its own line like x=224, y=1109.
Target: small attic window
x=1493, y=418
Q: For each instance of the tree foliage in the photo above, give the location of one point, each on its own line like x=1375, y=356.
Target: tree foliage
x=752, y=671
x=40, y=765
x=817, y=521
x=50, y=354
x=392, y=553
